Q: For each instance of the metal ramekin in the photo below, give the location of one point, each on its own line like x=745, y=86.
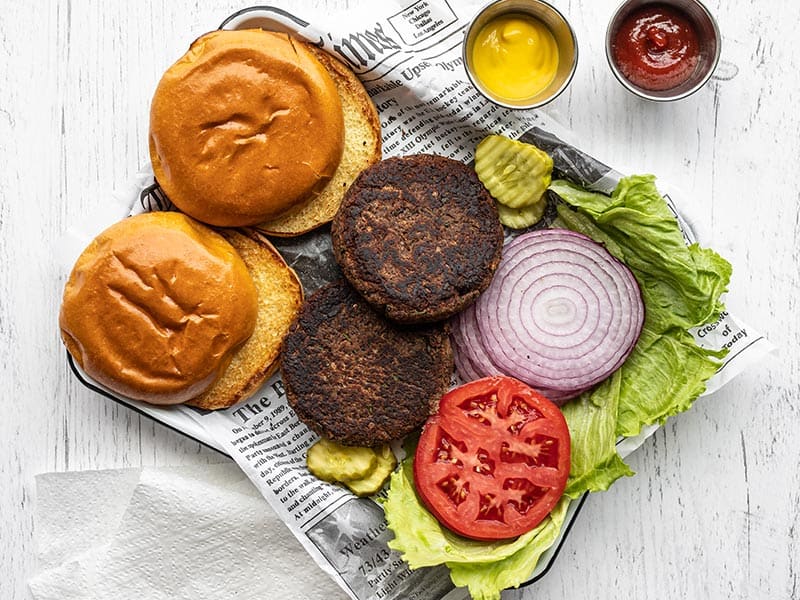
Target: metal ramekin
x=558, y=25
x=708, y=37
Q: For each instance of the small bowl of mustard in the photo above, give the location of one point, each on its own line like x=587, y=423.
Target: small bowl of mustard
x=520, y=54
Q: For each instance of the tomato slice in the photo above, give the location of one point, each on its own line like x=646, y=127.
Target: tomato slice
x=494, y=461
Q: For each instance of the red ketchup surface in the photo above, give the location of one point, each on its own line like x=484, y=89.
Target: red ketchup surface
x=656, y=47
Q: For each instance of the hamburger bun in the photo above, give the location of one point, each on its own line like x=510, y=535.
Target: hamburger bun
x=362, y=148
x=244, y=127
x=280, y=296
x=163, y=309
x=155, y=307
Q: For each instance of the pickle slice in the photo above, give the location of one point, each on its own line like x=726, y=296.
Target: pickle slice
x=515, y=173
x=520, y=218
x=372, y=483
x=334, y=462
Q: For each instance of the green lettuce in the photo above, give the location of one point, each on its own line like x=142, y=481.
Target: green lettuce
x=681, y=287
x=666, y=371
x=485, y=568
x=594, y=462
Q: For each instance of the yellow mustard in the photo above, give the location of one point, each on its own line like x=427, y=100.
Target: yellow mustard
x=515, y=56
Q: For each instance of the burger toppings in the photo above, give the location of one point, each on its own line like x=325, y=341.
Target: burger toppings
x=517, y=175
x=664, y=373
x=560, y=314
x=363, y=470
x=494, y=460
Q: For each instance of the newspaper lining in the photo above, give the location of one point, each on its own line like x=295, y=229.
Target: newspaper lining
x=410, y=62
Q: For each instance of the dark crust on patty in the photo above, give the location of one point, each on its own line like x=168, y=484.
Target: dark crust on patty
x=358, y=379
x=418, y=236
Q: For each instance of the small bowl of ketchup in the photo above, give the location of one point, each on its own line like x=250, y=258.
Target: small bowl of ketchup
x=662, y=50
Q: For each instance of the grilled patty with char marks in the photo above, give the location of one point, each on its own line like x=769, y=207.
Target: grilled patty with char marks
x=358, y=379
x=418, y=236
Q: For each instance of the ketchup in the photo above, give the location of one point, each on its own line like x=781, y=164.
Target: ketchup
x=656, y=47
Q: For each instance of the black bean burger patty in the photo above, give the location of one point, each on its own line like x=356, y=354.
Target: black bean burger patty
x=418, y=236
x=356, y=378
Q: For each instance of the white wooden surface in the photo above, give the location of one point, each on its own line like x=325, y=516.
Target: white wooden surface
x=714, y=511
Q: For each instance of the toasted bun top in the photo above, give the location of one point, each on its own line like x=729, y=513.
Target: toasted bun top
x=155, y=307
x=246, y=125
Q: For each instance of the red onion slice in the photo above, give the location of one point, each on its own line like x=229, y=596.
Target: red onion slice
x=560, y=314
x=467, y=335
x=464, y=328
x=558, y=397
x=465, y=368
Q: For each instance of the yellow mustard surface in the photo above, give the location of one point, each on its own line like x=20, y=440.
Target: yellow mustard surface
x=515, y=56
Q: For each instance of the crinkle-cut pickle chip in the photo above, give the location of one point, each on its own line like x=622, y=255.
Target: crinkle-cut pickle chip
x=363, y=470
x=515, y=173
x=334, y=462
x=372, y=483
x=520, y=218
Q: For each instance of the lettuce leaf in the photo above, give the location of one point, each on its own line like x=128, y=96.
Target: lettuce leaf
x=592, y=421
x=681, y=283
x=681, y=287
x=485, y=581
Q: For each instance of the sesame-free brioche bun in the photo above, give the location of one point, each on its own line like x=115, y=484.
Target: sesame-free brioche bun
x=362, y=148
x=280, y=296
x=156, y=306
x=247, y=125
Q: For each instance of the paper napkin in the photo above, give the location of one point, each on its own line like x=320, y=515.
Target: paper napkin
x=182, y=533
